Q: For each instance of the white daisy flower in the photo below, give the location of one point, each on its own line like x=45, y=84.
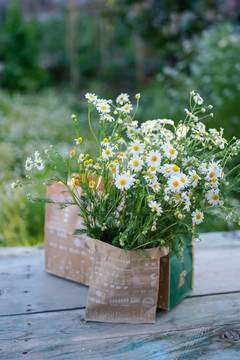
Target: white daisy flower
x=91, y=97
x=184, y=179
x=197, y=98
x=130, y=131
x=107, y=152
x=37, y=155
x=212, y=196
x=78, y=140
x=124, y=181
x=155, y=186
x=197, y=216
x=188, y=161
x=108, y=117
x=194, y=178
x=155, y=207
x=175, y=169
x=136, y=163
x=221, y=143
x=96, y=166
x=166, y=170
x=39, y=164
x=175, y=184
x=121, y=155
x=154, y=158
x=169, y=151
x=104, y=142
x=81, y=157
x=136, y=147
x=122, y=98
x=229, y=216
x=201, y=127
x=121, y=141
x=153, y=169
x=126, y=108
x=150, y=178
x=103, y=107
x=29, y=164
x=114, y=170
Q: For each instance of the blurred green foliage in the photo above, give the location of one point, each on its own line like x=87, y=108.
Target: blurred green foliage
x=19, y=53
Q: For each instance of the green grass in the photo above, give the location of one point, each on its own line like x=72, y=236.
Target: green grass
x=31, y=122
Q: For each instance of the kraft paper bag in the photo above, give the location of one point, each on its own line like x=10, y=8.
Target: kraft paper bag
x=124, y=285
x=176, y=277
x=66, y=255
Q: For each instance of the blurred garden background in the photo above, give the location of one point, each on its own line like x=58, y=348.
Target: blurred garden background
x=52, y=52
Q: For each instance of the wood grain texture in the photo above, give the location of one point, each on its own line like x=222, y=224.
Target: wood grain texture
x=192, y=330
x=25, y=286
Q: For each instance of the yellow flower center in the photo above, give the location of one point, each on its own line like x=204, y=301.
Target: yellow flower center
x=122, y=182
x=198, y=135
x=136, y=163
x=104, y=107
x=155, y=186
x=168, y=169
x=211, y=175
x=136, y=148
x=97, y=164
x=79, y=139
x=105, y=140
x=91, y=96
x=108, y=115
x=177, y=196
x=126, y=107
x=113, y=170
x=172, y=151
x=152, y=168
x=198, y=216
x=154, y=158
x=116, y=161
x=107, y=152
x=175, y=168
x=101, y=157
x=122, y=154
x=183, y=180
x=154, y=208
x=179, y=202
x=195, y=176
x=131, y=131
x=175, y=183
x=215, y=197
x=72, y=153
x=214, y=180
x=223, y=173
x=190, y=195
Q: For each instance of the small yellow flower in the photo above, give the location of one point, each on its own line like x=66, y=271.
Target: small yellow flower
x=79, y=140
x=86, y=162
x=72, y=153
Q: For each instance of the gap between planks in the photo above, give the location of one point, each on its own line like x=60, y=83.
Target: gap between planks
x=83, y=307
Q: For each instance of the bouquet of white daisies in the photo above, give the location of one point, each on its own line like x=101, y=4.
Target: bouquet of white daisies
x=150, y=181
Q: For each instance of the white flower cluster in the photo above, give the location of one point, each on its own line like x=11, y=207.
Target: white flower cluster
x=37, y=162
x=168, y=160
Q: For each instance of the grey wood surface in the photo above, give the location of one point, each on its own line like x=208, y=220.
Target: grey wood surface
x=43, y=317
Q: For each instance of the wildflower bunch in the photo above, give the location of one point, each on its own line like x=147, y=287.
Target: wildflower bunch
x=151, y=181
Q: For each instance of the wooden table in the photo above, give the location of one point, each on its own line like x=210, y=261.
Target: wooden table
x=42, y=316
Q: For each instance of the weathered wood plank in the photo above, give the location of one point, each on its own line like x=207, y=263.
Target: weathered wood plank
x=26, y=288
x=217, y=264
x=192, y=330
